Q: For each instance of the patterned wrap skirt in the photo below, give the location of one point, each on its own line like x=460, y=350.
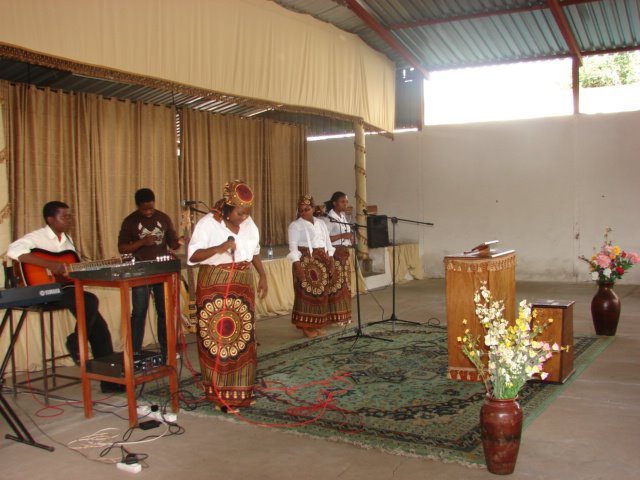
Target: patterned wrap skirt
x=311, y=301
x=339, y=288
x=226, y=333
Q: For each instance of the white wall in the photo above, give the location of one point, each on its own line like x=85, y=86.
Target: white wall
x=545, y=187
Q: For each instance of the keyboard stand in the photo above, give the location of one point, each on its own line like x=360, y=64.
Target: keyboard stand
x=22, y=435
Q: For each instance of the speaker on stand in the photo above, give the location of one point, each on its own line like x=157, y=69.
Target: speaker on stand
x=377, y=231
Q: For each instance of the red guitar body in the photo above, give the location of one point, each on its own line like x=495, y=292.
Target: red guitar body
x=28, y=274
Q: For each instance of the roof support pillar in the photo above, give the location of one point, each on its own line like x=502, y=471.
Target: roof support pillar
x=575, y=80
x=362, y=247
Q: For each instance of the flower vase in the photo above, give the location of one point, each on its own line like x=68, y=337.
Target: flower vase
x=605, y=309
x=500, y=429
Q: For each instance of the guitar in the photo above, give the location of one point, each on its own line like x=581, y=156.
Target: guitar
x=28, y=274
x=186, y=224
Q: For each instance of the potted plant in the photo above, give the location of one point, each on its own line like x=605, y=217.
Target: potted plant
x=505, y=359
x=607, y=265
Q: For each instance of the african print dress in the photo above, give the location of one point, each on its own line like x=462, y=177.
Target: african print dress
x=226, y=342
x=339, y=283
x=225, y=331
x=311, y=303
x=309, y=243
x=339, y=292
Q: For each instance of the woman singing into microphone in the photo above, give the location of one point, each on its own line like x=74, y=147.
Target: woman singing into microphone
x=342, y=240
x=225, y=243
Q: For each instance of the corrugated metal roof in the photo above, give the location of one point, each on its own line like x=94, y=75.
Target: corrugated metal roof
x=446, y=34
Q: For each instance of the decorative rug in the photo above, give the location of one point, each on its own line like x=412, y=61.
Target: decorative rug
x=394, y=396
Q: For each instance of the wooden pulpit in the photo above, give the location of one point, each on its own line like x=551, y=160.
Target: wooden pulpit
x=464, y=274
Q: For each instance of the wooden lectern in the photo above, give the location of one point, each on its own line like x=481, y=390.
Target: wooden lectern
x=464, y=274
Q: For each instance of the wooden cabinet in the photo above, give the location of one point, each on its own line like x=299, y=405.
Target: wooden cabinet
x=560, y=331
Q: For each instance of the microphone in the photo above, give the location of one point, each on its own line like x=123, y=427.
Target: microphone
x=188, y=203
x=232, y=251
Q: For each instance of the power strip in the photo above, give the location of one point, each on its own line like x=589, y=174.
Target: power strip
x=132, y=468
x=144, y=411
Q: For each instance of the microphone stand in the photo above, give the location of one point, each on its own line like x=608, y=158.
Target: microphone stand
x=358, y=334
x=194, y=209
x=393, y=319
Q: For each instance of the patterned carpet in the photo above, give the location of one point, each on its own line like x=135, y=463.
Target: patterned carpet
x=388, y=395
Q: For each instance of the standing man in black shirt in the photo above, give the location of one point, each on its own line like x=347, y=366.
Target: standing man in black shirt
x=146, y=233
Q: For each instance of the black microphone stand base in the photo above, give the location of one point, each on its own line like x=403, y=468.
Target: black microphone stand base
x=393, y=319
x=360, y=334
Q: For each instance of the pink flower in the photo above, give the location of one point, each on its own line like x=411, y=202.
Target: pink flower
x=603, y=261
x=634, y=257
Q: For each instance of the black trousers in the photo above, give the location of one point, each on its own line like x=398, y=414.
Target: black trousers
x=97, y=329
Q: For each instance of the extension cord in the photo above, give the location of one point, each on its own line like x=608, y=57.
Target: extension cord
x=145, y=412
x=131, y=468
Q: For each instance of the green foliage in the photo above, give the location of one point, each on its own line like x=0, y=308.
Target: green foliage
x=609, y=70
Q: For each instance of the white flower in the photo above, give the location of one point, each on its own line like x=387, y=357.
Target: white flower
x=594, y=275
x=606, y=272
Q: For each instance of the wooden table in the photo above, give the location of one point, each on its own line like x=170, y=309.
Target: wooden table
x=464, y=274
x=130, y=380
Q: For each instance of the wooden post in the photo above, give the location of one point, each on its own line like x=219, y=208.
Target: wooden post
x=575, y=75
x=362, y=247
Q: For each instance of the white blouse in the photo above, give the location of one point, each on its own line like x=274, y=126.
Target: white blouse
x=336, y=228
x=211, y=233
x=310, y=235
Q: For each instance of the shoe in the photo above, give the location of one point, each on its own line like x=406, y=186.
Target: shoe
x=109, y=387
x=72, y=348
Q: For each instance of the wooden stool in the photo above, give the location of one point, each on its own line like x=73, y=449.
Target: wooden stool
x=560, y=366
x=10, y=282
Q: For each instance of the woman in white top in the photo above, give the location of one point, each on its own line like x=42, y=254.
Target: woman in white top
x=310, y=250
x=341, y=239
x=225, y=243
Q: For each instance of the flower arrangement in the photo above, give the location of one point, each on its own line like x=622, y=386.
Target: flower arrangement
x=513, y=354
x=610, y=263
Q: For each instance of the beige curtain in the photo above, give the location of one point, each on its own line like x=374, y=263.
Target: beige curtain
x=271, y=157
x=92, y=153
x=5, y=208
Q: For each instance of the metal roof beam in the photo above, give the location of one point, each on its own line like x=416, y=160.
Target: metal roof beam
x=386, y=35
x=565, y=29
x=471, y=16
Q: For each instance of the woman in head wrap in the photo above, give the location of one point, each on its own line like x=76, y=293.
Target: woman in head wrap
x=342, y=240
x=310, y=250
x=224, y=244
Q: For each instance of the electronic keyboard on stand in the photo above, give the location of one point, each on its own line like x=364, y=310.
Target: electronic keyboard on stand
x=28, y=296
x=21, y=297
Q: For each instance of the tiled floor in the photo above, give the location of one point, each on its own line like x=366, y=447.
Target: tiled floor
x=589, y=432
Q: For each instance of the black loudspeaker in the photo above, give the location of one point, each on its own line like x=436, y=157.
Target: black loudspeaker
x=377, y=231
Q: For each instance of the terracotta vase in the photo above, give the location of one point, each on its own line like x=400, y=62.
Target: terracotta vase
x=500, y=428
x=605, y=309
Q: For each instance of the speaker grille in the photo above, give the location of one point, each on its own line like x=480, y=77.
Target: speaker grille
x=377, y=231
